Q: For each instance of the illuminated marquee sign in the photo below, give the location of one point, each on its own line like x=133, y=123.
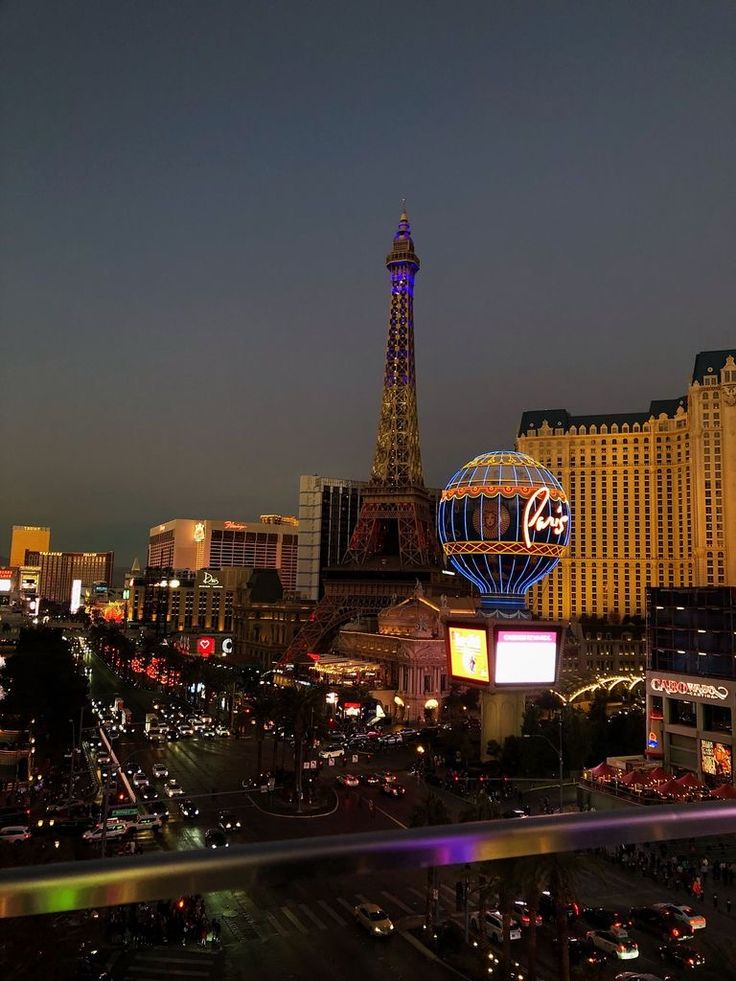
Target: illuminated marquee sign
x=6, y=577
x=540, y=513
x=208, y=579
x=199, y=532
x=235, y=526
x=468, y=653
x=690, y=689
x=205, y=646
x=525, y=656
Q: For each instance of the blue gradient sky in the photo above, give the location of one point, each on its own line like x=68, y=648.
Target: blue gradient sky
x=196, y=200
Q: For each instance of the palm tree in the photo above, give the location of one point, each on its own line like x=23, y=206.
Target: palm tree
x=428, y=812
x=304, y=707
x=263, y=709
x=531, y=879
x=559, y=873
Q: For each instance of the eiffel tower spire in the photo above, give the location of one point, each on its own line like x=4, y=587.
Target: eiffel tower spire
x=397, y=462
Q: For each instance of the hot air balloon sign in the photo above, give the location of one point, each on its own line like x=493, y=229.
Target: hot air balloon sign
x=504, y=522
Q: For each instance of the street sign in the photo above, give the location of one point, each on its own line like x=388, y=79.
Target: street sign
x=307, y=764
x=331, y=761
x=313, y=764
x=354, y=758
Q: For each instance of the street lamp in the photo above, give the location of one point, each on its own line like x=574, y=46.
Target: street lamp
x=557, y=750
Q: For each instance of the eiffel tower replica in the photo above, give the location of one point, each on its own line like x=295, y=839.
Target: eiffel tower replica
x=394, y=547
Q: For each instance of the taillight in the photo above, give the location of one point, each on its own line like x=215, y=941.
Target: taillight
x=621, y=948
x=675, y=932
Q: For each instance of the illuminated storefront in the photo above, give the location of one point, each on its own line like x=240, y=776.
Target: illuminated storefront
x=691, y=680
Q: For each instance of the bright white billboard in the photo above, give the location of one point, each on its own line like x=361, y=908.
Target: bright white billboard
x=76, y=600
x=525, y=656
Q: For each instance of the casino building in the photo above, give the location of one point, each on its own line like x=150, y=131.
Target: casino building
x=653, y=495
x=691, y=680
x=194, y=544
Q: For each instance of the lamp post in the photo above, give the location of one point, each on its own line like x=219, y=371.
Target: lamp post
x=557, y=749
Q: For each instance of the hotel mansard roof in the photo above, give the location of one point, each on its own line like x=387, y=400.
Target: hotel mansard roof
x=706, y=363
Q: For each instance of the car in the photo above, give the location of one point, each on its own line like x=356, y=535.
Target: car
x=684, y=914
x=208, y=732
x=515, y=814
x=373, y=919
x=494, y=926
x=185, y=731
x=331, y=752
x=188, y=809
x=390, y=739
x=228, y=821
x=132, y=768
x=388, y=777
x=215, y=838
x=117, y=830
x=635, y=976
x=371, y=779
x=523, y=914
x=222, y=730
x=393, y=789
x=140, y=780
x=581, y=953
x=147, y=822
x=348, y=780
x=15, y=833
x=160, y=770
x=548, y=907
x=621, y=947
x=659, y=920
x=174, y=789
x=103, y=759
x=159, y=807
x=684, y=955
x=607, y=919
x=147, y=793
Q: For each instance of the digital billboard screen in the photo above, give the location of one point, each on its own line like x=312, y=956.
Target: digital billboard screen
x=468, y=654
x=525, y=656
x=716, y=759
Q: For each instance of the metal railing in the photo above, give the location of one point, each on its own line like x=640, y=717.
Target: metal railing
x=56, y=888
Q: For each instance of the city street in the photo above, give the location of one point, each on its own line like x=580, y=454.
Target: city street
x=271, y=926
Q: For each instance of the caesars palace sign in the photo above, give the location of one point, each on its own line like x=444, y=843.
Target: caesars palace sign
x=693, y=689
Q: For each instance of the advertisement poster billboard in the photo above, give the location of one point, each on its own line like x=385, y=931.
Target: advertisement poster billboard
x=468, y=652
x=716, y=759
x=525, y=656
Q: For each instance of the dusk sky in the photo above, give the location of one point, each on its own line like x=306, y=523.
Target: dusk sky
x=196, y=199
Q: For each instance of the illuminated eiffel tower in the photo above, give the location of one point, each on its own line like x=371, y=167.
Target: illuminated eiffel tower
x=394, y=544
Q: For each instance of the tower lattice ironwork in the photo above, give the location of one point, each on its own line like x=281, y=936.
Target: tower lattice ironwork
x=394, y=543
x=395, y=520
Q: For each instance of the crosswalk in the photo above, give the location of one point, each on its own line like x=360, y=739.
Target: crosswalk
x=242, y=920
x=175, y=964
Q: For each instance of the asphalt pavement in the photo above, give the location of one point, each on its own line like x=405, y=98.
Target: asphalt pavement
x=304, y=927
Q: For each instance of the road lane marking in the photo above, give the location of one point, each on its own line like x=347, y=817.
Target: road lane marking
x=346, y=904
x=276, y=925
x=420, y=895
x=390, y=817
x=396, y=901
x=310, y=916
x=297, y=923
x=362, y=899
x=328, y=909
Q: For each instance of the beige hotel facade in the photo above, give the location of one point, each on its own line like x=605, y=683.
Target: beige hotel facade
x=653, y=495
